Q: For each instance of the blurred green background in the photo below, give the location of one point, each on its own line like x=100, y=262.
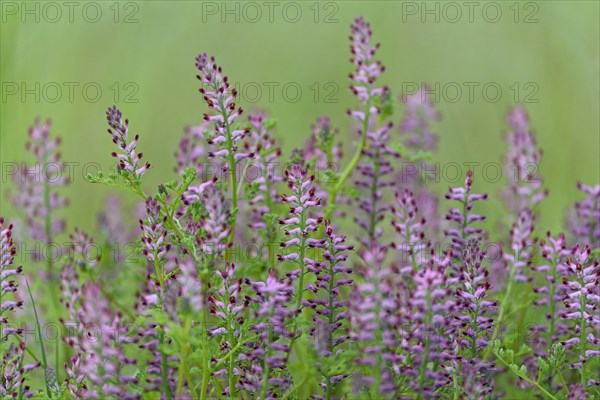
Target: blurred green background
x=141, y=56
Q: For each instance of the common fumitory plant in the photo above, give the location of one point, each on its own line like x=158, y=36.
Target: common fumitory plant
x=328, y=278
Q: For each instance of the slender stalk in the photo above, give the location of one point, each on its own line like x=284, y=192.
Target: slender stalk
x=562, y=381
x=526, y=378
x=331, y=319
x=353, y=162
x=48, y=233
x=503, y=305
x=183, y=369
x=302, y=252
x=232, y=169
x=374, y=187
x=294, y=389
x=166, y=388
x=423, y=367
x=552, y=301
x=39, y=332
x=582, y=338
x=266, y=370
x=206, y=359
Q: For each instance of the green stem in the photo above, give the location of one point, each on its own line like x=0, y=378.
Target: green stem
x=353, y=162
x=231, y=352
x=302, y=252
x=265, y=382
x=526, y=378
x=166, y=388
x=582, y=338
x=562, y=380
x=503, y=304
x=183, y=369
x=232, y=169
x=39, y=331
x=552, y=301
x=424, y=360
x=294, y=389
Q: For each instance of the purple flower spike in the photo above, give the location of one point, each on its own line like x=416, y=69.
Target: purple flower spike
x=522, y=163
x=221, y=96
x=374, y=320
x=299, y=224
x=12, y=364
x=522, y=246
x=129, y=160
x=263, y=173
x=376, y=175
x=584, y=220
x=154, y=234
x=409, y=226
x=14, y=372
x=462, y=217
x=9, y=286
x=102, y=346
x=192, y=148
x=191, y=286
x=226, y=300
x=367, y=69
x=417, y=117
x=420, y=140
x=427, y=341
x=550, y=295
x=264, y=365
x=581, y=300
x=34, y=182
x=474, y=321
x=214, y=226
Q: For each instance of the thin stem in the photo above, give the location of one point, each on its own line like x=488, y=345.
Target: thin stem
x=503, y=304
x=232, y=169
x=302, y=251
x=232, y=352
x=423, y=368
x=374, y=187
x=39, y=331
x=166, y=388
x=562, y=380
x=294, y=389
x=265, y=383
x=183, y=370
x=353, y=163
x=526, y=378
x=582, y=326
x=206, y=358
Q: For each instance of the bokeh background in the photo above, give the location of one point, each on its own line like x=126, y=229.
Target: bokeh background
x=141, y=56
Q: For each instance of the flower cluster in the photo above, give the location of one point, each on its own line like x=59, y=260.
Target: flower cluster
x=130, y=161
x=201, y=306
x=329, y=330
x=419, y=142
x=221, y=97
x=522, y=162
x=265, y=361
x=584, y=219
x=376, y=176
x=367, y=69
x=37, y=197
x=299, y=224
x=417, y=119
x=12, y=364
x=581, y=300
x=409, y=227
x=461, y=217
